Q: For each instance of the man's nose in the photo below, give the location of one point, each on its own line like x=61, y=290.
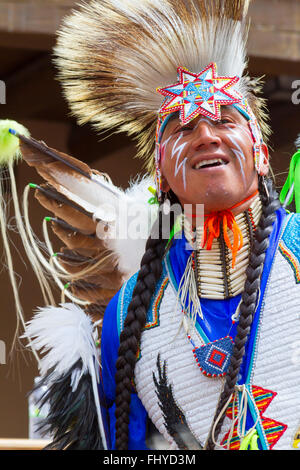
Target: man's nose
x=205, y=135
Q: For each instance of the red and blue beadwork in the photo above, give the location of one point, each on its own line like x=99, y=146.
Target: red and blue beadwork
x=213, y=358
x=199, y=93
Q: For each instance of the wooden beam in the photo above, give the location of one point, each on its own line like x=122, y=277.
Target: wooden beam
x=276, y=44
x=273, y=67
x=281, y=15
x=23, y=444
x=29, y=24
x=275, y=29
x=34, y=17
x=33, y=92
x=274, y=32
x=27, y=41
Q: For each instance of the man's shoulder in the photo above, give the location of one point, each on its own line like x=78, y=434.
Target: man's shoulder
x=127, y=289
x=289, y=245
x=291, y=233
x=126, y=293
x=121, y=298
x=124, y=299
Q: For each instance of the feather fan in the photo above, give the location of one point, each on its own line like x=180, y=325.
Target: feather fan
x=84, y=204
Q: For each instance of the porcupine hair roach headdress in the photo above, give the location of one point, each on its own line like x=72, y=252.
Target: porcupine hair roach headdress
x=112, y=55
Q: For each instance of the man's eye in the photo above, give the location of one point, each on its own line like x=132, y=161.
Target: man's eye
x=225, y=121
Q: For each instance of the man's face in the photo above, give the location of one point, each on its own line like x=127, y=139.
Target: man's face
x=210, y=162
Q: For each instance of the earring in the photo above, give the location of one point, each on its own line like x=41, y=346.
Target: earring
x=166, y=205
x=158, y=183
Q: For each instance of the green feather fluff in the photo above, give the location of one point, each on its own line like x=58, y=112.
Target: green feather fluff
x=9, y=143
x=291, y=188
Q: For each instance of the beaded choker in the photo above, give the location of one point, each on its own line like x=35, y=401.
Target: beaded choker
x=215, y=276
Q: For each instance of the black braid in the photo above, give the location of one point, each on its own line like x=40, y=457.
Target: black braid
x=149, y=274
x=270, y=203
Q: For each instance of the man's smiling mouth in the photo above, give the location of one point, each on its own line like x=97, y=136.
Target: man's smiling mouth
x=209, y=163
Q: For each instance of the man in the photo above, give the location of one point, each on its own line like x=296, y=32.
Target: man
x=192, y=342
x=170, y=388
x=186, y=301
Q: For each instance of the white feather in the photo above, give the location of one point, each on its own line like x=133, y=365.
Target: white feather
x=64, y=334
x=90, y=194
x=128, y=213
x=135, y=212
x=297, y=143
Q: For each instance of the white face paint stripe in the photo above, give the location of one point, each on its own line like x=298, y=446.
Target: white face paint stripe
x=237, y=153
x=178, y=149
x=247, y=133
x=163, y=148
x=178, y=168
x=240, y=156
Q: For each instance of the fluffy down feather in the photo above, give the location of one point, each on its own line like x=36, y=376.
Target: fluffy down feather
x=130, y=246
x=47, y=331
x=72, y=419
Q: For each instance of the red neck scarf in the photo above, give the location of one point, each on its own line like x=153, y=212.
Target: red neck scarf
x=212, y=229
